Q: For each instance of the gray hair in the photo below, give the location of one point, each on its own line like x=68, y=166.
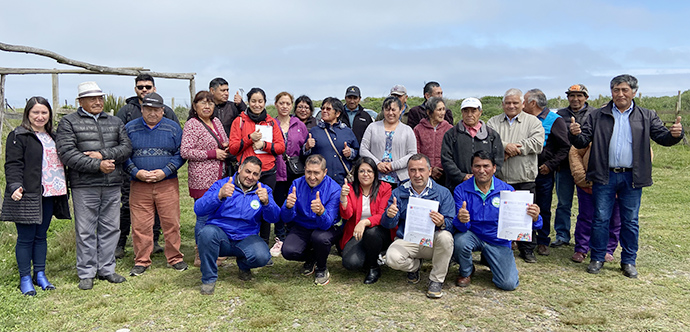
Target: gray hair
x=625, y=78
x=513, y=92
x=316, y=159
x=432, y=103
x=538, y=96
x=419, y=156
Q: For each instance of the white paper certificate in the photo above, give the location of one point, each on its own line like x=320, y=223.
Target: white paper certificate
x=266, y=136
x=419, y=228
x=513, y=222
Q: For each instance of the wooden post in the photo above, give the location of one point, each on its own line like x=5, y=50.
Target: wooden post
x=192, y=90
x=2, y=106
x=56, y=91
x=172, y=103
x=678, y=104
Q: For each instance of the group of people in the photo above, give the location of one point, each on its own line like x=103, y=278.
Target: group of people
x=338, y=178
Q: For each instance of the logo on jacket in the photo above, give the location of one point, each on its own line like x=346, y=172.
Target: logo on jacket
x=255, y=204
x=496, y=201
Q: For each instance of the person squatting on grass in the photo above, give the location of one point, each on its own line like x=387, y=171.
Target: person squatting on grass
x=94, y=145
x=36, y=190
x=476, y=223
x=235, y=207
x=406, y=256
x=311, y=213
x=154, y=188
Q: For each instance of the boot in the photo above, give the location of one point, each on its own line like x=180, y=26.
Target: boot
x=197, y=260
x=27, y=286
x=41, y=280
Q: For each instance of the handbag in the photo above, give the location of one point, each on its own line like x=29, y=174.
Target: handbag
x=348, y=175
x=295, y=165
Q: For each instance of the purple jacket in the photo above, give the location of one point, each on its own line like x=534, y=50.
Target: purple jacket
x=296, y=137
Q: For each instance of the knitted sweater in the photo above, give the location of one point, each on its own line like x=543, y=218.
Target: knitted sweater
x=430, y=140
x=157, y=148
x=199, y=148
x=404, y=146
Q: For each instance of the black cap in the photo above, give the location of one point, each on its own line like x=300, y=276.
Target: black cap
x=152, y=100
x=352, y=91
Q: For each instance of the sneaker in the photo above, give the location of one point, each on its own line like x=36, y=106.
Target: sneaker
x=119, y=252
x=308, y=268
x=245, y=275
x=207, y=289
x=528, y=257
x=179, y=266
x=113, y=278
x=322, y=277
x=434, y=291
x=157, y=249
x=137, y=270
x=381, y=260
x=277, y=248
x=413, y=277
x=86, y=283
x=270, y=263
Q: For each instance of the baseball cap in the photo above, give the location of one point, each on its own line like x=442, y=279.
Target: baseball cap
x=152, y=99
x=398, y=90
x=471, y=102
x=353, y=90
x=578, y=88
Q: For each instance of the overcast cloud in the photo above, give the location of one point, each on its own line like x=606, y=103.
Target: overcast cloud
x=319, y=48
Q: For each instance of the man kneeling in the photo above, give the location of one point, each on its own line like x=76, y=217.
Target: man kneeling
x=476, y=224
x=235, y=207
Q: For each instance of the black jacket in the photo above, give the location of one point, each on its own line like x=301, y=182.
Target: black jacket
x=557, y=145
x=598, y=128
x=24, y=168
x=361, y=121
x=79, y=132
x=227, y=113
x=132, y=110
x=419, y=112
x=458, y=148
x=566, y=113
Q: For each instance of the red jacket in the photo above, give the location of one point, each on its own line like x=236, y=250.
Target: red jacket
x=241, y=144
x=430, y=140
x=353, y=212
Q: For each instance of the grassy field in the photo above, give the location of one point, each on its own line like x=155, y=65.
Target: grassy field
x=554, y=295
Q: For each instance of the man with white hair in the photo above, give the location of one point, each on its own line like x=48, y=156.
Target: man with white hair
x=522, y=136
x=94, y=145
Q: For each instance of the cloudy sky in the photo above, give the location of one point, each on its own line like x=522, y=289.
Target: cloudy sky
x=318, y=48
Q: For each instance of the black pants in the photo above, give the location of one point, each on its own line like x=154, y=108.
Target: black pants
x=126, y=220
x=268, y=178
x=310, y=245
x=524, y=246
x=364, y=253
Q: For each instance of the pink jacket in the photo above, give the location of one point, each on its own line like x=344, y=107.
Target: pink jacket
x=199, y=148
x=430, y=140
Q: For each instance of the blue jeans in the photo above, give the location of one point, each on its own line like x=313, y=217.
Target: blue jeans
x=31, y=242
x=629, y=203
x=500, y=258
x=543, y=196
x=565, y=188
x=200, y=223
x=251, y=252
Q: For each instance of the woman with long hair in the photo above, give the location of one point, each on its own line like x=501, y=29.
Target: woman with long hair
x=36, y=191
x=205, y=146
x=363, y=203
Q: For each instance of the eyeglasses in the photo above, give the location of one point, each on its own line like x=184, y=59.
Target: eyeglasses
x=142, y=87
x=303, y=107
x=365, y=171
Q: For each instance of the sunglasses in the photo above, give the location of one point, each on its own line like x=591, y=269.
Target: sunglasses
x=142, y=87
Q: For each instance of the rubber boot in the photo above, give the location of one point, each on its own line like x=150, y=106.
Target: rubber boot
x=41, y=280
x=27, y=286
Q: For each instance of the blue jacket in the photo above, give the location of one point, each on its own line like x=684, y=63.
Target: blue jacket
x=483, y=213
x=340, y=134
x=239, y=215
x=437, y=193
x=301, y=213
x=157, y=148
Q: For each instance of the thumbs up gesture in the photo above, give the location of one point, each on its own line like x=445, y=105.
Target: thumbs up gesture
x=677, y=128
x=574, y=127
x=262, y=193
x=463, y=213
x=255, y=136
x=344, y=191
x=316, y=205
x=310, y=143
x=291, y=199
x=347, y=152
x=238, y=98
x=392, y=210
x=18, y=194
x=227, y=189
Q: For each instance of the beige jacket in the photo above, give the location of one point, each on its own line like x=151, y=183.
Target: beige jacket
x=526, y=131
x=578, y=166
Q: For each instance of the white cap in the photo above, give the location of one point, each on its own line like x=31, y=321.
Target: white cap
x=471, y=102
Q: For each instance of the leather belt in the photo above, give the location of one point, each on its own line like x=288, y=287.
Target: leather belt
x=620, y=169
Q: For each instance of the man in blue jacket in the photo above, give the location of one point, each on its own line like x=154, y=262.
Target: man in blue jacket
x=235, y=207
x=476, y=224
x=620, y=164
x=311, y=208
x=407, y=256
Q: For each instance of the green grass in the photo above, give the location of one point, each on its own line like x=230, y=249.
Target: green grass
x=554, y=294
